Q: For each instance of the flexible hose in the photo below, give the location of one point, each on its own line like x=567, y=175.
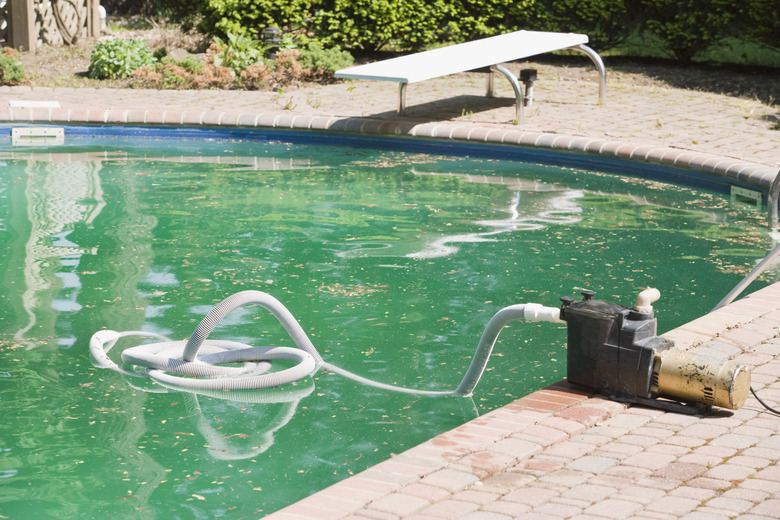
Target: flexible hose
x=196, y=363
x=240, y=299
x=527, y=312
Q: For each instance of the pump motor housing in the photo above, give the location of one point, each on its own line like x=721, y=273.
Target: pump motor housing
x=616, y=350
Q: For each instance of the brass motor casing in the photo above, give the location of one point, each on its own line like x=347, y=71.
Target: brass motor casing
x=687, y=377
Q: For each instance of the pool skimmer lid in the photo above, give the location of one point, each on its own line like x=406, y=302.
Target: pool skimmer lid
x=37, y=136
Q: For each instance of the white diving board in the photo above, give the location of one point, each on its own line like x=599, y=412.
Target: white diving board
x=478, y=54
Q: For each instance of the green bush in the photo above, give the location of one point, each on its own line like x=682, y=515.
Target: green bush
x=321, y=60
x=11, y=70
x=688, y=27
x=373, y=24
x=759, y=22
x=684, y=28
x=118, y=58
x=608, y=23
x=238, y=52
x=470, y=19
x=189, y=63
x=249, y=17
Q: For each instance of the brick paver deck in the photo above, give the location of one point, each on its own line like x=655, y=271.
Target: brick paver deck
x=559, y=452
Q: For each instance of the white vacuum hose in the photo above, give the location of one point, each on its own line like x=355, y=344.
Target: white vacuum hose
x=197, y=362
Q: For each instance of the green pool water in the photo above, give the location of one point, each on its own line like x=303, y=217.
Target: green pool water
x=392, y=262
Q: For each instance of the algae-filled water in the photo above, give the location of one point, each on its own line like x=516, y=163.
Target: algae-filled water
x=392, y=262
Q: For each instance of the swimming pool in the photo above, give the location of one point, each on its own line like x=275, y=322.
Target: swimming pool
x=392, y=261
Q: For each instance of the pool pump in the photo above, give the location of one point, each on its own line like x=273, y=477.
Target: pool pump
x=615, y=350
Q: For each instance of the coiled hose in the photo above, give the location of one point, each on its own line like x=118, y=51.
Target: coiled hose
x=196, y=363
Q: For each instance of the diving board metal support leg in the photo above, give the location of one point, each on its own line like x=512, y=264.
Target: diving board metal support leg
x=772, y=202
x=402, y=99
x=491, y=83
x=518, y=92
x=596, y=59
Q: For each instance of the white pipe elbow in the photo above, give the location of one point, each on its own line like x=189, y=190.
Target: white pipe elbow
x=645, y=299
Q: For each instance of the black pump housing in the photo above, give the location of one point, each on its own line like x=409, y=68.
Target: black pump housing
x=611, y=348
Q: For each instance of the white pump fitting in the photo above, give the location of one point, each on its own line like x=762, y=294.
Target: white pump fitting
x=536, y=312
x=645, y=299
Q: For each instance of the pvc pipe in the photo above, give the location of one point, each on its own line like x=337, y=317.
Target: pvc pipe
x=645, y=299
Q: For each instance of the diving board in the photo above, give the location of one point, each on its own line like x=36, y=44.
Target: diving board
x=478, y=54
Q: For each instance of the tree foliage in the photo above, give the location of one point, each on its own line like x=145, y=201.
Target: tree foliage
x=688, y=27
x=684, y=27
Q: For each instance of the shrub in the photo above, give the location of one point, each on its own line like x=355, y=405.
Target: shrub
x=470, y=19
x=759, y=22
x=256, y=76
x=212, y=76
x=290, y=65
x=608, y=23
x=688, y=27
x=188, y=63
x=324, y=62
x=118, y=58
x=287, y=68
x=11, y=69
x=685, y=27
x=373, y=24
x=249, y=17
x=237, y=53
x=170, y=75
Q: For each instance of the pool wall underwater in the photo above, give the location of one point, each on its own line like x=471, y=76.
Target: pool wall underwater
x=664, y=164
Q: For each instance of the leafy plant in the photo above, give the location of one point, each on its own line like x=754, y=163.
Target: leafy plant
x=608, y=23
x=683, y=29
x=237, y=53
x=118, y=58
x=760, y=22
x=469, y=19
x=689, y=27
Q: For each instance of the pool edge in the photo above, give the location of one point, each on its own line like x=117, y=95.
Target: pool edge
x=752, y=172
